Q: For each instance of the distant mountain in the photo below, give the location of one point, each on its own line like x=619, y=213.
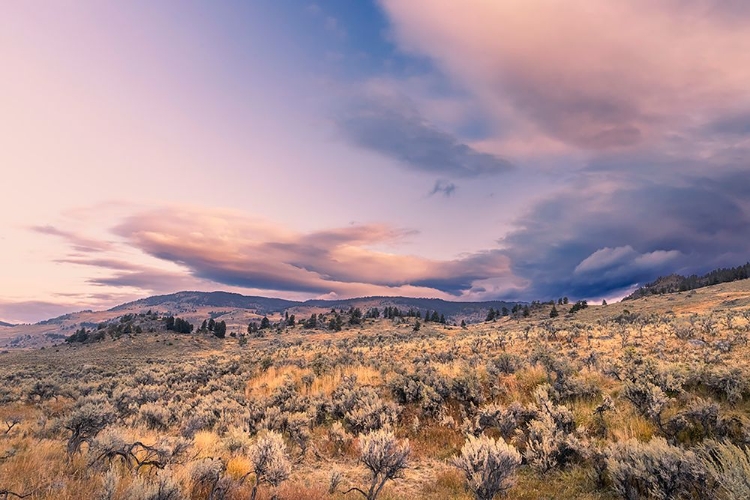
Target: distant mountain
x=472, y=311
x=677, y=283
x=235, y=309
x=262, y=305
x=186, y=301
x=3, y=323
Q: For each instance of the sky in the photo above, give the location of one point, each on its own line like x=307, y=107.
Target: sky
x=475, y=150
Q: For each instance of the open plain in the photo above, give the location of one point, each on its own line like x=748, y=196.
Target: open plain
x=629, y=400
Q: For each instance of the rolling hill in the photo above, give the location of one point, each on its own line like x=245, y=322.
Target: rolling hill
x=233, y=308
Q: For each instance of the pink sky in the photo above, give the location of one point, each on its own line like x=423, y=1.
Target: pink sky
x=466, y=151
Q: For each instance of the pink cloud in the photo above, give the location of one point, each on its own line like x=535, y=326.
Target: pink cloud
x=233, y=249
x=595, y=75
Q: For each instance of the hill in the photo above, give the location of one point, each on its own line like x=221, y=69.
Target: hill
x=677, y=283
x=585, y=396
x=3, y=323
x=234, y=309
x=186, y=301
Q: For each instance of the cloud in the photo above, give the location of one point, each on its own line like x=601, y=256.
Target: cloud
x=391, y=125
x=597, y=238
x=733, y=124
x=443, y=187
x=230, y=248
x=127, y=274
x=31, y=311
x=594, y=75
x=78, y=242
x=619, y=264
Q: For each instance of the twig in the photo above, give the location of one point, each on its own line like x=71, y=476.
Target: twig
x=4, y=494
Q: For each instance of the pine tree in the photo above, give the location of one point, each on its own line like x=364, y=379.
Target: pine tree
x=265, y=323
x=491, y=315
x=220, y=329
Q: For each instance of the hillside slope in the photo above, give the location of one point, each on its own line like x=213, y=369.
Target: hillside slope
x=235, y=309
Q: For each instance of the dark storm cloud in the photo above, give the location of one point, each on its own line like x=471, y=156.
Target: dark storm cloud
x=394, y=128
x=596, y=240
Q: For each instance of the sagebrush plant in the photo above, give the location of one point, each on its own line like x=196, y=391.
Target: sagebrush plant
x=384, y=456
x=729, y=466
x=654, y=470
x=488, y=465
x=89, y=416
x=270, y=461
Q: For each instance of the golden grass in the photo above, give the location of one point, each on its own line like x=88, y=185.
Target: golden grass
x=265, y=383
x=575, y=483
x=207, y=444
x=328, y=382
x=40, y=464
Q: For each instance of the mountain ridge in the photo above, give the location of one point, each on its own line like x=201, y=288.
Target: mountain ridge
x=268, y=305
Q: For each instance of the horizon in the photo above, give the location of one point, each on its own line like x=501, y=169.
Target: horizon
x=337, y=150
x=300, y=302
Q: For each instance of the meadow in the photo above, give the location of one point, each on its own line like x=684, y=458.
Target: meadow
x=640, y=399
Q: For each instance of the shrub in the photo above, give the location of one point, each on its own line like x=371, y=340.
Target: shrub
x=548, y=446
x=652, y=470
x=729, y=466
x=155, y=416
x=270, y=461
x=385, y=457
x=488, y=465
x=89, y=416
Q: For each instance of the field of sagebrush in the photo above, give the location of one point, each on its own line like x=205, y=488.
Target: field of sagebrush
x=643, y=399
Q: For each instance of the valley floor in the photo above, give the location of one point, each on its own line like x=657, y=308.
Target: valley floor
x=590, y=401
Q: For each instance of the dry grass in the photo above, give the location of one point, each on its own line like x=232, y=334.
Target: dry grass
x=225, y=388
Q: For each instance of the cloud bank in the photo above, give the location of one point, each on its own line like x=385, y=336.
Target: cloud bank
x=233, y=249
x=593, y=75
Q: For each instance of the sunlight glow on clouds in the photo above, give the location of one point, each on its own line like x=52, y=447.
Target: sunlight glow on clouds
x=230, y=248
x=477, y=150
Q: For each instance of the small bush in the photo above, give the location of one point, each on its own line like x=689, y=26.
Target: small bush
x=653, y=470
x=270, y=461
x=385, y=457
x=488, y=465
x=729, y=466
